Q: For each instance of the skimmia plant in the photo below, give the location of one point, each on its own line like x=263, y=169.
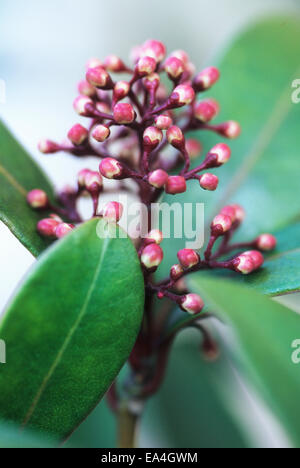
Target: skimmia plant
x=97, y=298
x=130, y=125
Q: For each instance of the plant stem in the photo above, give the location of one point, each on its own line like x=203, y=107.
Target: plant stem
x=127, y=428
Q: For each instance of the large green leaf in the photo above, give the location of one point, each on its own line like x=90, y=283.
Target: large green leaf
x=266, y=332
x=70, y=329
x=281, y=272
x=18, y=175
x=255, y=89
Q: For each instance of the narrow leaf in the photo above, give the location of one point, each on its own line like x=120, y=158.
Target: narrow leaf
x=70, y=329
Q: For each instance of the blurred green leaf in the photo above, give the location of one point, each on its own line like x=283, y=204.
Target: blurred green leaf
x=70, y=329
x=12, y=437
x=255, y=89
x=266, y=332
x=18, y=175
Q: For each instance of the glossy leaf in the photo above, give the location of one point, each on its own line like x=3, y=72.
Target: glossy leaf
x=256, y=90
x=281, y=272
x=70, y=329
x=266, y=332
x=18, y=175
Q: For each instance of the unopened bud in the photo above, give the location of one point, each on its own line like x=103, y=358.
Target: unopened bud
x=206, y=110
x=181, y=55
x=124, y=113
x=99, y=78
x=145, y=66
x=163, y=122
x=222, y=151
x=86, y=89
x=101, y=133
x=257, y=258
x=175, y=137
x=152, y=256
x=78, y=134
x=221, y=224
x=174, y=67
x=243, y=264
x=152, y=82
x=110, y=168
x=121, y=90
x=154, y=49
x=94, y=63
x=266, y=242
x=209, y=182
x=192, y=303
x=154, y=237
x=113, y=212
x=206, y=79
x=176, y=272
x=80, y=104
x=63, y=229
x=230, y=129
x=46, y=227
x=152, y=138
x=48, y=147
x=114, y=64
x=240, y=213
x=193, y=148
x=103, y=107
x=93, y=182
x=175, y=185
x=38, y=199
x=188, y=258
x=229, y=211
x=81, y=178
x=183, y=95
x=158, y=178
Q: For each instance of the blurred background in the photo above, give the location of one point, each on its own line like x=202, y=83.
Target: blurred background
x=43, y=50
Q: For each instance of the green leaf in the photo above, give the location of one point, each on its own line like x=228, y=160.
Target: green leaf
x=281, y=272
x=70, y=329
x=18, y=175
x=255, y=89
x=266, y=332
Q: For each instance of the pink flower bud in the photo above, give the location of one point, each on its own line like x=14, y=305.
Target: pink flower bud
x=230, y=129
x=113, y=212
x=145, y=66
x=56, y=218
x=206, y=79
x=176, y=272
x=152, y=256
x=111, y=169
x=63, y=229
x=78, y=134
x=81, y=178
x=103, y=107
x=99, y=78
x=257, y=258
x=114, y=64
x=80, y=104
x=93, y=182
x=243, y=264
x=37, y=199
x=193, y=148
x=209, y=182
x=48, y=147
x=266, y=242
x=174, y=67
x=181, y=55
x=175, y=137
x=221, y=224
x=94, y=63
x=152, y=138
x=124, y=113
x=121, y=90
x=86, y=89
x=152, y=82
x=240, y=214
x=101, y=133
x=188, y=258
x=183, y=95
x=46, y=227
x=158, y=178
x=206, y=110
x=163, y=122
x=222, y=151
x=175, y=185
x=154, y=49
x=229, y=211
x=192, y=303
x=154, y=237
